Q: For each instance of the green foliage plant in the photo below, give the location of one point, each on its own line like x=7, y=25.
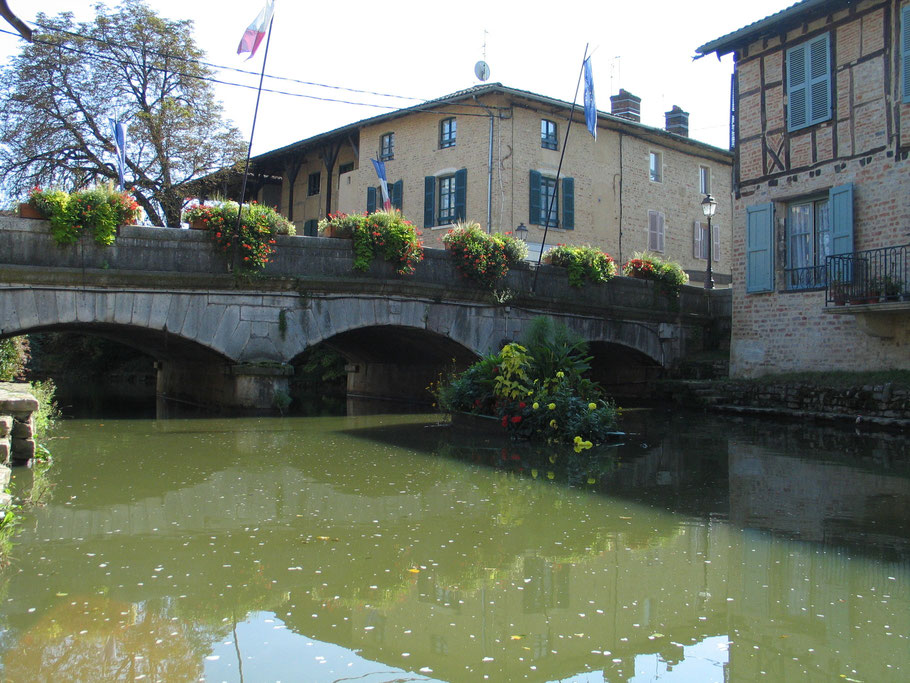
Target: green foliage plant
x=254, y=242
x=647, y=266
x=382, y=233
x=537, y=391
x=99, y=210
x=481, y=257
x=14, y=355
x=583, y=263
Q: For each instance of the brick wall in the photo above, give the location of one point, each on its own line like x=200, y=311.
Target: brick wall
x=864, y=143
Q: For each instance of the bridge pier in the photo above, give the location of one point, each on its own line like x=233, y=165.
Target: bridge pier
x=233, y=388
x=399, y=382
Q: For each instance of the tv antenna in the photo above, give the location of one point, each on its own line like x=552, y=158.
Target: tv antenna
x=482, y=69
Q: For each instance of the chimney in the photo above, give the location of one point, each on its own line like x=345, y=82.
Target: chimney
x=678, y=121
x=626, y=105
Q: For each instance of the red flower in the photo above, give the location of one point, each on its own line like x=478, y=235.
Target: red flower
x=516, y=419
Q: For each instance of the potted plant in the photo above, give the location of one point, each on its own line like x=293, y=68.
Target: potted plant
x=583, y=263
x=839, y=289
x=42, y=203
x=481, y=257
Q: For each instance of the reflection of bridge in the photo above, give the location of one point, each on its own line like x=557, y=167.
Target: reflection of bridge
x=167, y=293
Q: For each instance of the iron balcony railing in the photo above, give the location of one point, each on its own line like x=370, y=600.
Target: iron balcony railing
x=866, y=277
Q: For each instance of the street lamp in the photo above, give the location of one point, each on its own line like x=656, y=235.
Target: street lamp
x=709, y=206
x=522, y=232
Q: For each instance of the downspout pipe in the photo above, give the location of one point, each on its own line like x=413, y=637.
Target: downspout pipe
x=489, y=172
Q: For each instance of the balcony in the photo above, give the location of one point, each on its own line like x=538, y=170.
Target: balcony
x=873, y=285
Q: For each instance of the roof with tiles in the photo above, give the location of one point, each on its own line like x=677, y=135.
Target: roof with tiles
x=469, y=93
x=770, y=24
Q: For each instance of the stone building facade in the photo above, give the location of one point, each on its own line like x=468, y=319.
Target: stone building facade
x=491, y=154
x=821, y=181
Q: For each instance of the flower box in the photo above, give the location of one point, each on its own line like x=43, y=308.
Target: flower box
x=26, y=210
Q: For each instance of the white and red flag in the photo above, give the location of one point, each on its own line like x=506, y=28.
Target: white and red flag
x=256, y=31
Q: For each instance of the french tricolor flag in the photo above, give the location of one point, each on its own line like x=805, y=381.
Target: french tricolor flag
x=257, y=30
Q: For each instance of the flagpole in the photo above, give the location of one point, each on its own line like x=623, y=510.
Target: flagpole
x=565, y=142
x=249, y=150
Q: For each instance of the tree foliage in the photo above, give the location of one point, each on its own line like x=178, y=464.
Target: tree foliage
x=128, y=64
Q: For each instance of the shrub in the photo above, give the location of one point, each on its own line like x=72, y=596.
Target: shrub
x=481, y=257
x=668, y=274
x=255, y=240
x=583, y=263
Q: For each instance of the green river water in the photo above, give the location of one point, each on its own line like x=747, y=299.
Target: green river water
x=388, y=548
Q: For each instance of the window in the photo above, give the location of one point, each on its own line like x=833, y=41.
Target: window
x=905, y=52
x=311, y=228
x=549, y=201
x=548, y=134
x=816, y=227
x=374, y=196
x=387, y=147
x=444, y=198
x=809, y=83
x=543, y=190
x=704, y=180
x=808, y=243
x=656, y=167
x=655, y=231
x=447, y=130
x=446, y=213
x=346, y=168
x=701, y=242
x=313, y=182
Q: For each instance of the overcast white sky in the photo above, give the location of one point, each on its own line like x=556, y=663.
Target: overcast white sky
x=425, y=49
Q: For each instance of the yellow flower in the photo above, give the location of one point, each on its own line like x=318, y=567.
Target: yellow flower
x=536, y=405
x=552, y=406
x=591, y=480
x=560, y=374
x=577, y=439
x=577, y=448
x=592, y=406
x=551, y=475
x=534, y=474
x=553, y=424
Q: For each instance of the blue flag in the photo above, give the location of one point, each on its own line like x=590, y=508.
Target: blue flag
x=590, y=104
x=120, y=147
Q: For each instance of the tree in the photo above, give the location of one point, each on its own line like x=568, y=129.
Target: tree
x=127, y=64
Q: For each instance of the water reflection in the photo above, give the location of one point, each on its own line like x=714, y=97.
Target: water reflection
x=383, y=548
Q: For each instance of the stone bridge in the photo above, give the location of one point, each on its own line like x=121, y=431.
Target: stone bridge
x=219, y=341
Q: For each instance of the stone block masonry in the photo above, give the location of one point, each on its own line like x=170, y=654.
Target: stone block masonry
x=17, y=430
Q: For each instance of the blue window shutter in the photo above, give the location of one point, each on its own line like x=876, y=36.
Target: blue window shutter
x=461, y=191
x=905, y=52
x=371, y=199
x=840, y=202
x=760, y=248
x=429, y=201
x=809, y=83
x=397, y=189
x=819, y=68
x=797, y=88
x=311, y=228
x=534, y=200
x=568, y=203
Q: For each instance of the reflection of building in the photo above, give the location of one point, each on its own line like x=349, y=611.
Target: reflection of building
x=638, y=187
x=822, y=128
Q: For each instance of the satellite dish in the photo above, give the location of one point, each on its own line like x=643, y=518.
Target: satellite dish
x=481, y=70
